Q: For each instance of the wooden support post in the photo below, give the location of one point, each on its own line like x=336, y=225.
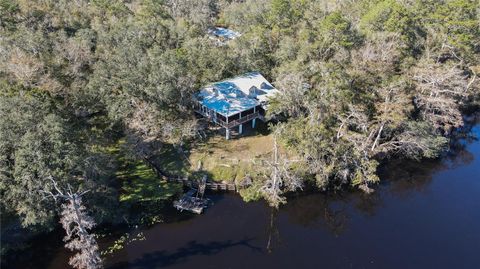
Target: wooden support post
x=240, y=127
x=227, y=133
x=253, y=121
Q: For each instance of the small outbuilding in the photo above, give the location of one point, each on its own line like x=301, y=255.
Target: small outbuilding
x=234, y=102
x=222, y=35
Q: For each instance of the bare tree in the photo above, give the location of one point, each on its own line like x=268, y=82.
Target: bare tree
x=415, y=140
x=292, y=98
x=25, y=68
x=441, y=89
x=378, y=57
x=280, y=179
x=76, y=223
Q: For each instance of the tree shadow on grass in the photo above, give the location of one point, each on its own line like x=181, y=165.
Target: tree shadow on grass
x=160, y=259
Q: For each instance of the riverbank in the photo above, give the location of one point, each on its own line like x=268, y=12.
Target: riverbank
x=399, y=176
x=423, y=215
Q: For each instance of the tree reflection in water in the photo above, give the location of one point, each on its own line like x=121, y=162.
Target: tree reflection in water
x=400, y=179
x=273, y=232
x=328, y=211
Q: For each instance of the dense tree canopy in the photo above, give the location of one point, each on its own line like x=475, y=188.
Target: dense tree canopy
x=361, y=82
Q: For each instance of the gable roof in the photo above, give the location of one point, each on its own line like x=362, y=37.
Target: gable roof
x=246, y=82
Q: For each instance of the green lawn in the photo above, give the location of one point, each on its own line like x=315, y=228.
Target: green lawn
x=173, y=163
x=139, y=183
x=223, y=160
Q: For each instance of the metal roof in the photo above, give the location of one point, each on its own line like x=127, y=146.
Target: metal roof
x=238, y=94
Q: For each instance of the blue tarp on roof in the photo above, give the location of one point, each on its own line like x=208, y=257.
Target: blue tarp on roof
x=223, y=32
x=237, y=94
x=225, y=98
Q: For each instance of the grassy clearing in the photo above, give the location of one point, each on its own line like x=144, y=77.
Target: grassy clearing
x=138, y=182
x=230, y=160
x=172, y=162
x=221, y=159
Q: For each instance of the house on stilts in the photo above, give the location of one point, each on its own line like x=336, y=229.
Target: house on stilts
x=235, y=102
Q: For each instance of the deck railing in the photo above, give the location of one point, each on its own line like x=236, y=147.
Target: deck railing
x=242, y=120
x=233, y=123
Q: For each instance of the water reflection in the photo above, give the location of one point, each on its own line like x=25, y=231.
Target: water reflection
x=404, y=177
x=347, y=229
x=319, y=210
x=405, y=223
x=399, y=178
x=273, y=232
x=160, y=259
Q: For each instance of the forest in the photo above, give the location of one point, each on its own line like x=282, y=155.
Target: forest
x=88, y=87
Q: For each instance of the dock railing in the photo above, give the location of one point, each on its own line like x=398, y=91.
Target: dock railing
x=214, y=186
x=193, y=183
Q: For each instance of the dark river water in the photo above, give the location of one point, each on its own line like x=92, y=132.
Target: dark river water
x=423, y=215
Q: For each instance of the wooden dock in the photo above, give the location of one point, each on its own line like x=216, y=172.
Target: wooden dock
x=191, y=202
x=193, y=183
x=214, y=186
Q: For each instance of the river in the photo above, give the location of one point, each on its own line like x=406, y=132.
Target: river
x=423, y=215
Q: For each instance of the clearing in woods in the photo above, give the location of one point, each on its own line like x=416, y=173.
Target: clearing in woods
x=222, y=160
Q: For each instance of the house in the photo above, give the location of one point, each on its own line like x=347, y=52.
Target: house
x=234, y=102
x=222, y=35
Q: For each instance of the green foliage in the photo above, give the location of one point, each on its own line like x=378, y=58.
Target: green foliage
x=355, y=79
x=32, y=146
x=36, y=144
x=366, y=173
x=380, y=16
x=433, y=143
x=8, y=10
x=123, y=241
x=252, y=193
x=392, y=16
x=283, y=13
x=459, y=22
x=338, y=29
